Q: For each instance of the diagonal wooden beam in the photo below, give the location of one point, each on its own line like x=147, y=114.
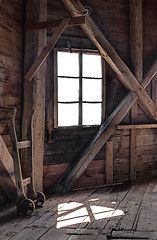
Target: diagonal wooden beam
x=7, y=174
x=74, y=21
x=113, y=59
x=78, y=166
x=46, y=50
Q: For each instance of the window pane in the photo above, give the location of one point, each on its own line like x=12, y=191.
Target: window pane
x=68, y=64
x=91, y=114
x=67, y=114
x=92, y=66
x=92, y=90
x=68, y=89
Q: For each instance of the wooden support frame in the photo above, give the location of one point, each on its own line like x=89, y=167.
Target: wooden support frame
x=46, y=50
x=110, y=55
x=74, y=21
x=34, y=93
x=78, y=166
x=107, y=128
x=136, y=50
x=138, y=126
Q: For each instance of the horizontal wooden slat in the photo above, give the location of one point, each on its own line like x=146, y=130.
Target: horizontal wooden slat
x=74, y=21
x=23, y=144
x=26, y=181
x=137, y=126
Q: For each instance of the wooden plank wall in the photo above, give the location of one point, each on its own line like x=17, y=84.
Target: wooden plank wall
x=11, y=39
x=113, y=18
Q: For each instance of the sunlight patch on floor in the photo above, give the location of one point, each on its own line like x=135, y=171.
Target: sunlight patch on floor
x=100, y=212
x=74, y=213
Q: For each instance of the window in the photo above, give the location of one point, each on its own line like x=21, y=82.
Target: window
x=78, y=86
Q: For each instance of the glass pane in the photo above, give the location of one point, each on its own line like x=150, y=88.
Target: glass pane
x=92, y=90
x=91, y=114
x=67, y=114
x=92, y=66
x=68, y=89
x=68, y=64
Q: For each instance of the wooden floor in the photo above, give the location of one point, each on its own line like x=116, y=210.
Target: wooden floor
x=119, y=212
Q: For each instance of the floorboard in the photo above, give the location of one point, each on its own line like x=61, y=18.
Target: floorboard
x=114, y=212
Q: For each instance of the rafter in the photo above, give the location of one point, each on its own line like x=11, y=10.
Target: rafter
x=78, y=166
x=113, y=59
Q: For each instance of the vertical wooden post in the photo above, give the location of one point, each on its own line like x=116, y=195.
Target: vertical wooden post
x=103, y=90
x=154, y=90
x=109, y=162
x=55, y=90
x=49, y=96
x=34, y=91
x=136, y=48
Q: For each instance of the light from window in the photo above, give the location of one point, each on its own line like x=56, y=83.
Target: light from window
x=68, y=89
x=92, y=66
x=92, y=90
x=68, y=64
x=79, y=91
x=91, y=114
x=67, y=114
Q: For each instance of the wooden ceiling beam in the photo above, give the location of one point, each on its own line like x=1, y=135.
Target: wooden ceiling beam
x=74, y=21
x=113, y=59
x=105, y=131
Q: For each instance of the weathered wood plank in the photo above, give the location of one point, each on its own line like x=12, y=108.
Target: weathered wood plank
x=6, y=48
x=136, y=49
x=9, y=22
x=7, y=176
x=139, y=126
x=133, y=155
x=26, y=181
x=148, y=217
x=110, y=55
x=49, y=121
x=34, y=93
x=109, y=162
x=12, y=9
x=53, y=24
x=7, y=62
x=46, y=50
x=136, y=38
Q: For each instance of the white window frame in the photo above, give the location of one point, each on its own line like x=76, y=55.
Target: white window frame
x=80, y=102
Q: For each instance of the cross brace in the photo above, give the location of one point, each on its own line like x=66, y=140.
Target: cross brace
x=78, y=166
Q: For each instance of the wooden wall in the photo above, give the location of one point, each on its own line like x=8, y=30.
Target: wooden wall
x=113, y=18
x=11, y=44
